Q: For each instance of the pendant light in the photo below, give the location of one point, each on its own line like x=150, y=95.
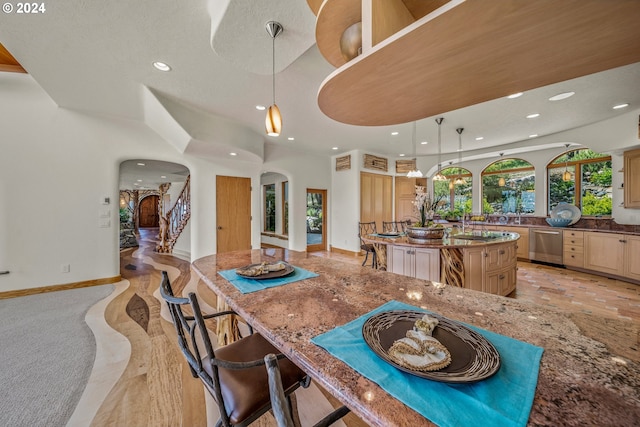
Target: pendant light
x=459, y=180
x=273, y=121
x=501, y=181
x=566, y=175
x=414, y=173
x=438, y=176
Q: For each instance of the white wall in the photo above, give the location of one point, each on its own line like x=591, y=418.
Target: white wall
x=56, y=166
x=346, y=204
x=303, y=171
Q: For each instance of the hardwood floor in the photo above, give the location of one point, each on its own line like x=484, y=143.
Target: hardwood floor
x=142, y=379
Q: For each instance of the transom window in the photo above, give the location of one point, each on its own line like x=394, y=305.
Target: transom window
x=583, y=178
x=508, y=186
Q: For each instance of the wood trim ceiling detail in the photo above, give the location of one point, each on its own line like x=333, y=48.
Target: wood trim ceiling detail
x=478, y=51
x=8, y=62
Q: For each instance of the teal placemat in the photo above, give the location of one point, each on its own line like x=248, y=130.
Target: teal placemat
x=504, y=399
x=246, y=285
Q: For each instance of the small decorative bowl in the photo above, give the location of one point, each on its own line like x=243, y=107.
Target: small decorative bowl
x=558, y=222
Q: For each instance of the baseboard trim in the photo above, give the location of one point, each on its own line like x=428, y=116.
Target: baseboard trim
x=344, y=251
x=64, y=287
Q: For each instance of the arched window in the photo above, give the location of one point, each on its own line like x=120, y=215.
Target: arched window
x=455, y=192
x=583, y=178
x=508, y=187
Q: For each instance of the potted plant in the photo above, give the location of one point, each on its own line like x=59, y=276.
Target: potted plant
x=425, y=207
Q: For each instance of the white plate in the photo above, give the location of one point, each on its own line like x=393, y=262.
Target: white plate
x=566, y=211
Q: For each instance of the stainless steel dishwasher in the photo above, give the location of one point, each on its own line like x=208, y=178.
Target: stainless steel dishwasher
x=545, y=244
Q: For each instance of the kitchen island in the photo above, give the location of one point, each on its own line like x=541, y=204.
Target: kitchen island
x=480, y=260
x=582, y=380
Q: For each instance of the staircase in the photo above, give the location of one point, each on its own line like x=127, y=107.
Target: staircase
x=172, y=224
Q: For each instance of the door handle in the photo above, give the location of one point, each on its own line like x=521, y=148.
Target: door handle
x=4, y=272
x=623, y=241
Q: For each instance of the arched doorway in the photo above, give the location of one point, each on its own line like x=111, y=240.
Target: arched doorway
x=148, y=212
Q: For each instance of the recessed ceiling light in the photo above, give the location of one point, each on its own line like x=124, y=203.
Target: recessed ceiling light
x=139, y=180
x=533, y=116
x=560, y=96
x=261, y=107
x=334, y=148
x=534, y=135
x=515, y=95
x=291, y=138
x=479, y=138
x=161, y=66
x=619, y=106
x=140, y=164
x=394, y=133
x=233, y=154
x=401, y=155
x=163, y=176
x=424, y=142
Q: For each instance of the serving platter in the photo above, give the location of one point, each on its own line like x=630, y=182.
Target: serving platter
x=392, y=234
x=473, y=357
x=566, y=211
x=288, y=269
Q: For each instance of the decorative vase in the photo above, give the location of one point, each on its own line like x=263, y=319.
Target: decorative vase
x=425, y=233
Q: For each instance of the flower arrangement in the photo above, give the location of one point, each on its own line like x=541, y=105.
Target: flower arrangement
x=425, y=207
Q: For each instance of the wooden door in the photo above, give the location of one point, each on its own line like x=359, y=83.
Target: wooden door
x=376, y=198
x=233, y=213
x=316, y=220
x=149, y=212
x=427, y=264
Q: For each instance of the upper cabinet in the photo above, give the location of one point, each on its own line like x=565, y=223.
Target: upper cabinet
x=632, y=179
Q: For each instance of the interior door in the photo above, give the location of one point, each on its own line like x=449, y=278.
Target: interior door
x=316, y=220
x=233, y=213
x=149, y=212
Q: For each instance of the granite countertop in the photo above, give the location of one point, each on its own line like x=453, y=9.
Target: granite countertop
x=589, y=372
x=453, y=241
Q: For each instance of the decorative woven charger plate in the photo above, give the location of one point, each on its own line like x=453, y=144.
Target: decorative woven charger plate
x=473, y=357
x=288, y=269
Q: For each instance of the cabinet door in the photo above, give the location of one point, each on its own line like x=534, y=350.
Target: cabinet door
x=632, y=257
x=376, y=202
x=603, y=252
x=395, y=259
x=632, y=179
x=498, y=256
x=427, y=264
x=474, y=268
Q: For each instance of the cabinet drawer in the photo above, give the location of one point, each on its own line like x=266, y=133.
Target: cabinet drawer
x=578, y=249
x=574, y=259
x=574, y=240
x=570, y=234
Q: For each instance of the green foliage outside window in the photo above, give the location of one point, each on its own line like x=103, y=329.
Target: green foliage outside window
x=595, y=181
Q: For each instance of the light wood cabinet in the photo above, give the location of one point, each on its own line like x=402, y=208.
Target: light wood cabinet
x=405, y=194
x=376, y=198
x=632, y=257
x=632, y=179
x=474, y=268
x=604, y=252
x=573, y=248
x=522, y=247
x=491, y=269
x=421, y=263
